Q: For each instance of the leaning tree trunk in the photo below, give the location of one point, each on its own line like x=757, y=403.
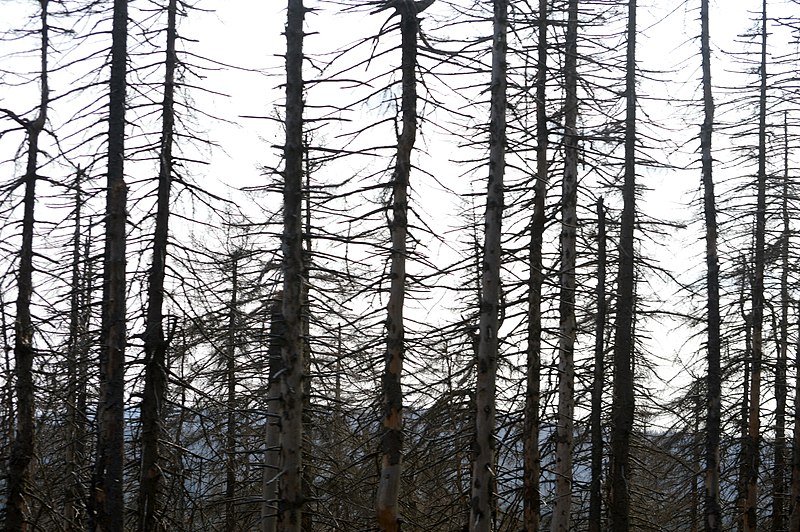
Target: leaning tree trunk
x=483, y=467
x=19, y=473
x=598, y=378
x=752, y=458
x=387, y=505
x=568, y=326
x=712, y=510
x=107, y=493
x=622, y=410
x=291, y=497
x=154, y=395
x=532, y=466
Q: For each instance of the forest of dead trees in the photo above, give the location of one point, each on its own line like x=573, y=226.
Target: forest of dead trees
x=448, y=292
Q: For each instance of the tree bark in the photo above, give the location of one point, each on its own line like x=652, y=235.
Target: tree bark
x=623, y=406
x=752, y=457
x=155, y=346
x=531, y=452
x=483, y=467
x=22, y=449
x=568, y=326
x=596, y=487
x=291, y=502
x=712, y=510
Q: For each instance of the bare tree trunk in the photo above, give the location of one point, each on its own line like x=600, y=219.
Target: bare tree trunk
x=155, y=346
x=623, y=406
x=291, y=502
x=596, y=488
x=568, y=326
x=712, y=511
x=230, y=381
x=779, y=465
x=23, y=446
x=794, y=502
x=107, y=493
x=748, y=325
x=532, y=455
x=308, y=479
x=77, y=355
x=17, y=518
x=269, y=510
x=387, y=506
x=483, y=467
x=752, y=458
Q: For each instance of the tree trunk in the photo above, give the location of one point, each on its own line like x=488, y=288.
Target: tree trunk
x=483, y=467
x=712, y=511
x=230, y=381
x=568, y=326
x=779, y=465
x=531, y=453
x=77, y=355
x=794, y=502
x=752, y=458
x=748, y=330
x=387, y=505
x=108, y=504
x=308, y=479
x=155, y=346
x=596, y=487
x=269, y=510
x=622, y=411
x=291, y=502
x=19, y=474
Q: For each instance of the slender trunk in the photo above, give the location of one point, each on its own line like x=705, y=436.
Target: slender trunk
x=532, y=455
x=7, y=419
x=712, y=510
x=622, y=411
x=230, y=381
x=22, y=449
x=596, y=487
x=483, y=478
x=568, y=326
x=291, y=497
x=742, y=479
x=108, y=503
x=155, y=346
x=269, y=511
x=388, y=510
x=308, y=479
x=77, y=352
x=754, y=415
x=794, y=502
x=779, y=465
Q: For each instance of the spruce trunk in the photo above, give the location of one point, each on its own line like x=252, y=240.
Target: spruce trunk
x=155, y=345
x=622, y=410
x=291, y=498
x=483, y=467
